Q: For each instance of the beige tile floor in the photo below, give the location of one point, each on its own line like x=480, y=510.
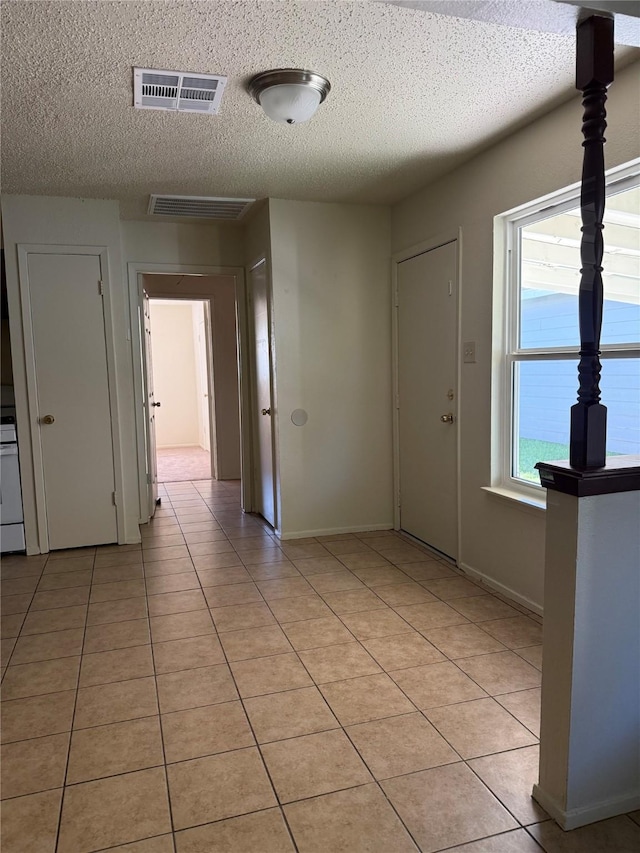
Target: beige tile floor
x=215, y=690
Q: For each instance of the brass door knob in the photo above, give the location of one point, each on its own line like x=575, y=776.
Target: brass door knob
x=266, y=411
x=47, y=419
x=447, y=419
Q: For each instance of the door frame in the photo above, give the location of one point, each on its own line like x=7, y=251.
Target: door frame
x=24, y=250
x=264, y=259
x=135, y=271
x=441, y=239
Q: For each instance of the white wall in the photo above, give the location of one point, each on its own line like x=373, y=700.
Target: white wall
x=69, y=222
x=175, y=382
x=499, y=539
x=332, y=318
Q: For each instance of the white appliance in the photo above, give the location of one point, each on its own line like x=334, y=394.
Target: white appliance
x=11, y=519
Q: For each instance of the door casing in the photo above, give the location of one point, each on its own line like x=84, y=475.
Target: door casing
x=135, y=271
x=396, y=259
x=24, y=250
x=149, y=398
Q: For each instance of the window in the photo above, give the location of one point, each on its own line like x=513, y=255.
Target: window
x=540, y=333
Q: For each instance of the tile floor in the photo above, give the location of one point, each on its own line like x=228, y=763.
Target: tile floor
x=214, y=690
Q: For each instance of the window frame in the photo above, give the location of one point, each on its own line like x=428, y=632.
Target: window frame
x=507, y=350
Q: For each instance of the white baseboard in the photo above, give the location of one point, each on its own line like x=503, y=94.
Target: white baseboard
x=333, y=531
x=502, y=588
x=575, y=818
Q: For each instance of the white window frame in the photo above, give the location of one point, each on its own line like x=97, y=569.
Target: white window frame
x=506, y=316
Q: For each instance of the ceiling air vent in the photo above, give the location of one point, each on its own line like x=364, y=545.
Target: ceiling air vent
x=177, y=91
x=200, y=207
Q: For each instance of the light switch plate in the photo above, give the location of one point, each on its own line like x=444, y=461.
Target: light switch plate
x=469, y=352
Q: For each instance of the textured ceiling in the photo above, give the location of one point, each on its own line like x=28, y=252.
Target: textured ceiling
x=413, y=94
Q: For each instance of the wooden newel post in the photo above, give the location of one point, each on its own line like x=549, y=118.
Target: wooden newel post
x=594, y=73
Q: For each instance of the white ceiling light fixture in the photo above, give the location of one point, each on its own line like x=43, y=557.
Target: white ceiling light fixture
x=289, y=95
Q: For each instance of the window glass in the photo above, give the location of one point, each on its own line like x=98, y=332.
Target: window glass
x=543, y=393
x=550, y=276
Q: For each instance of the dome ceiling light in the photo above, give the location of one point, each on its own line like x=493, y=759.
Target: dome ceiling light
x=289, y=95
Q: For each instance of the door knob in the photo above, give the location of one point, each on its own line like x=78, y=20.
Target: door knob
x=447, y=419
x=266, y=411
x=156, y=404
x=47, y=419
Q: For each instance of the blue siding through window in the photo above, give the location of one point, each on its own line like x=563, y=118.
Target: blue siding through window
x=549, y=388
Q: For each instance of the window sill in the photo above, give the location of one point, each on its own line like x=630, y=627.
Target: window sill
x=528, y=503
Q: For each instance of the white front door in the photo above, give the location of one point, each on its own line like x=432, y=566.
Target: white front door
x=150, y=406
x=427, y=390
x=263, y=478
x=72, y=395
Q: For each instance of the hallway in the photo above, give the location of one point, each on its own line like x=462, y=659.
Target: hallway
x=214, y=690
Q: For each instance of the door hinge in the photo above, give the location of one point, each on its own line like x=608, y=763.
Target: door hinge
x=397, y=401
x=396, y=298
x=101, y=288
x=114, y=498
x=450, y=288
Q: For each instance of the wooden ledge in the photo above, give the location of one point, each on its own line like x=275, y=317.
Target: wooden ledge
x=620, y=474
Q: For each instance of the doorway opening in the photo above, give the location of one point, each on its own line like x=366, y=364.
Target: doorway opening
x=183, y=389
x=186, y=326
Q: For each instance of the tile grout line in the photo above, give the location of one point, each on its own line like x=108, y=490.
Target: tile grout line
x=253, y=734
x=73, y=716
x=24, y=619
x=159, y=715
x=357, y=751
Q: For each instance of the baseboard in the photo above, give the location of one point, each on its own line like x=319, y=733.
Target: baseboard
x=575, y=818
x=502, y=588
x=333, y=531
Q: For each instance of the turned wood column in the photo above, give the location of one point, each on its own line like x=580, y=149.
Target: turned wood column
x=594, y=73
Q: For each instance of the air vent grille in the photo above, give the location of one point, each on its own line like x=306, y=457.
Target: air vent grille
x=177, y=91
x=199, y=207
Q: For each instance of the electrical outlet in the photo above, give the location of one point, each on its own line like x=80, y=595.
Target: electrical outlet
x=469, y=352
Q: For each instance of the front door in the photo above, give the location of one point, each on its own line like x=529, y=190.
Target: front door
x=427, y=404
x=72, y=394
x=263, y=479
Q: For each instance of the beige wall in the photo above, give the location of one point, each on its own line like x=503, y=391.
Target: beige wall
x=178, y=243
x=332, y=317
x=500, y=539
x=174, y=374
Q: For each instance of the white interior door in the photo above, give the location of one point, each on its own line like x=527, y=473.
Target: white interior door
x=72, y=393
x=428, y=406
x=263, y=476
x=150, y=406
